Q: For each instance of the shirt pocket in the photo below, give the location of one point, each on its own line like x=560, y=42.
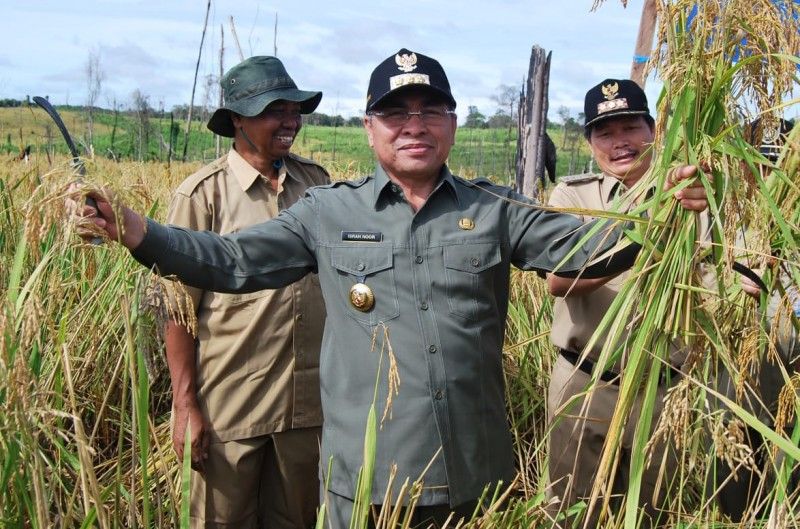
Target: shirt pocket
x=470, y=279
x=374, y=266
x=219, y=300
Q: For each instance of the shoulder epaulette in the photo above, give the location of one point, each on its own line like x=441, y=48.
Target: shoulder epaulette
x=300, y=159
x=579, y=178
x=480, y=181
x=358, y=182
x=188, y=186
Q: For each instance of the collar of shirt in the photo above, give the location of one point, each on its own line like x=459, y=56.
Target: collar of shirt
x=385, y=188
x=246, y=174
x=611, y=187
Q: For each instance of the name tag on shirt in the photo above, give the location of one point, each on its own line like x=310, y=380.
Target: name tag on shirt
x=362, y=236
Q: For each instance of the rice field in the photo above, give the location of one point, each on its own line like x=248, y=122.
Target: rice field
x=84, y=389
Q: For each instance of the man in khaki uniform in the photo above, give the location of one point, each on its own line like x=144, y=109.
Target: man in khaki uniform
x=619, y=130
x=249, y=384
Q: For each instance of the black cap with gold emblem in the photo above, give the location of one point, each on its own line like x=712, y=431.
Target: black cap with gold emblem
x=614, y=97
x=769, y=135
x=407, y=68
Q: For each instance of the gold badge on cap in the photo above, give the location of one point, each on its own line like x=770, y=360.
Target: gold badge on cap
x=466, y=224
x=610, y=90
x=770, y=134
x=361, y=297
x=406, y=62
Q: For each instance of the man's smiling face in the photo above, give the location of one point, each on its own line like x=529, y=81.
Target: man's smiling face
x=621, y=147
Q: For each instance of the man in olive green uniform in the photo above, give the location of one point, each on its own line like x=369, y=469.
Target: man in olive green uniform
x=249, y=384
x=411, y=252
x=619, y=130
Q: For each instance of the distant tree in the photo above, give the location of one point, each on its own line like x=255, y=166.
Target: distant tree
x=318, y=118
x=355, y=121
x=94, y=84
x=142, y=109
x=475, y=119
x=11, y=102
x=500, y=120
x=563, y=113
x=507, y=99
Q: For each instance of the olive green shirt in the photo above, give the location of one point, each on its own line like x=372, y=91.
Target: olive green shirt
x=440, y=279
x=257, y=353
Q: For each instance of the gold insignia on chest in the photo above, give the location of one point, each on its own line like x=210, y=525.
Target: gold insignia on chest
x=406, y=62
x=361, y=297
x=466, y=224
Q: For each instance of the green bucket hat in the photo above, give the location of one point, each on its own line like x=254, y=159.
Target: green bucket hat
x=253, y=84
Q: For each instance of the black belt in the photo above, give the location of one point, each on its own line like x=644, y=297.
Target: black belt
x=587, y=366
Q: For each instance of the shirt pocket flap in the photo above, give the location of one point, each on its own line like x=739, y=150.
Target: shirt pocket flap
x=362, y=260
x=472, y=257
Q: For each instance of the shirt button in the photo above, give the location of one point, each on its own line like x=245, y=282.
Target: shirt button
x=423, y=306
x=418, y=259
x=360, y=267
x=432, y=349
x=438, y=395
x=475, y=261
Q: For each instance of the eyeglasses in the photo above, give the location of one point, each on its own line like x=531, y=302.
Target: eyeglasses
x=283, y=114
x=396, y=117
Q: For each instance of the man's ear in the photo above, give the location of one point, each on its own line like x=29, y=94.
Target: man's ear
x=368, y=128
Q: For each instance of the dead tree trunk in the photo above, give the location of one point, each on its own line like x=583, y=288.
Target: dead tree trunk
x=532, y=124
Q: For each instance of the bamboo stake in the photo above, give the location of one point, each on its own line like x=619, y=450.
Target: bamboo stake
x=221, y=73
x=236, y=40
x=194, y=84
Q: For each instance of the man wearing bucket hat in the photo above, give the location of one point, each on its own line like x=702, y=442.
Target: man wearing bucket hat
x=619, y=132
x=248, y=385
x=414, y=266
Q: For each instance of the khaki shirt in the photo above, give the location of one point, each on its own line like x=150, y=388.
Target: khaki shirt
x=576, y=317
x=257, y=353
x=440, y=278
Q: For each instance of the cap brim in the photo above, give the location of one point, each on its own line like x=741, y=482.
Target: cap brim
x=447, y=97
x=221, y=123
x=616, y=113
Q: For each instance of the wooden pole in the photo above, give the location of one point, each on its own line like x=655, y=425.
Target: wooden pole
x=275, y=37
x=218, y=150
x=532, y=123
x=194, y=85
x=236, y=40
x=644, y=42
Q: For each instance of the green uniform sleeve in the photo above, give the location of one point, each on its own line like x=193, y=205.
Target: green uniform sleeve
x=271, y=255
x=553, y=242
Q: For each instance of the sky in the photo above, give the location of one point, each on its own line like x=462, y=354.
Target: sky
x=152, y=46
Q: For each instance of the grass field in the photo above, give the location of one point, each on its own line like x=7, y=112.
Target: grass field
x=84, y=433
x=477, y=152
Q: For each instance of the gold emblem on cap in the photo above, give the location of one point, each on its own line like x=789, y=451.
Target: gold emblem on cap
x=770, y=134
x=361, y=297
x=466, y=224
x=610, y=91
x=406, y=62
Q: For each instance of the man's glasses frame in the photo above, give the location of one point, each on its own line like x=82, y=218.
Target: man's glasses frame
x=397, y=117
